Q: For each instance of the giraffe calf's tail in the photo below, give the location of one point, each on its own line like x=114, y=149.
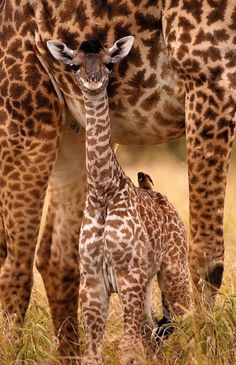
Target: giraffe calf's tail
x=145, y=181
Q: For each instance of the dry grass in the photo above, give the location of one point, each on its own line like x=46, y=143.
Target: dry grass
x=206, y=338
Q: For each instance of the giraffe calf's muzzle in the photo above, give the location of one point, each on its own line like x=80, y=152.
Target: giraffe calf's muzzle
x=93, y=79
x=93, y=85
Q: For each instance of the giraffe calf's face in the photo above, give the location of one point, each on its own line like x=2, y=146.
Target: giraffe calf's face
x=91, y=63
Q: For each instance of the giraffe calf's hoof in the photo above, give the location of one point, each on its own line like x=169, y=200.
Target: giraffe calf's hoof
x=132, y=358
x=164, y=329
x=132, y=354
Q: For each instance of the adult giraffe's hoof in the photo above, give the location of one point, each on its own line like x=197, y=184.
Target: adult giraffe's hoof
x=215, y=276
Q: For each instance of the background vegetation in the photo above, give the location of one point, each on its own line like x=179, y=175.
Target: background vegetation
x=204, y=338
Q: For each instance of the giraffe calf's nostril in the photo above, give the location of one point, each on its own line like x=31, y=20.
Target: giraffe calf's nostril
x=93, y=79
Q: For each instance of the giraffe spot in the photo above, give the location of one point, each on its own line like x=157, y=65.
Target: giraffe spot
x=182, y=51
x=9, y=61
x=13, y=128
x=193, y=7
x=42, y=100
x=48, y=21
x=171, y=37
x=150, y=102
x=212, y=53
x=136, y=2
x=147, y=22
x=154, y=47
x=191, y=66
x=4, y=88
x=33, y=77
x=233, y=17
x=7, y=169
x=202, y=95
x=210, y=114
x=186, y=25
x=16, y=90
x=81, y=16
x=220, y=35
x=224, y=135
x=15, y=49
x=218, y=12
x=203, y=36
x=231, y=57
x=232, y=79
x=19, y=18
x=45, y=117
x=3, y=116
x=26, y=104
x=101, y=9
x=123, y=68
x=6, y=35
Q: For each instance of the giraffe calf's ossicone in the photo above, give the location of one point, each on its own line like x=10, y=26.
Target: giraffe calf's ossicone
x=129, y=235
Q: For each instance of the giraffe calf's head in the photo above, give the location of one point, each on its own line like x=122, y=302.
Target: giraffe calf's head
x=91, y=63
x=145, y=181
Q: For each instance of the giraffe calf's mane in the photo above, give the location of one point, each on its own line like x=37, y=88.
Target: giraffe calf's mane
x=91, y=46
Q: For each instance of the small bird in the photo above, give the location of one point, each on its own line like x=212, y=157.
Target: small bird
x=145, y=181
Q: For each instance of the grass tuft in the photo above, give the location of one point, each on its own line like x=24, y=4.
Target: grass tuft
x=203, y=338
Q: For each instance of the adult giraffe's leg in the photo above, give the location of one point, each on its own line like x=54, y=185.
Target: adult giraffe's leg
x=204, y=62
x=57, y=256
x=3, y=246
x=210, y=132
x=29, y=135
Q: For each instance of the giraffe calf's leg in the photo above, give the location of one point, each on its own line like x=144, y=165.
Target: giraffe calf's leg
x=164, y=325
x=174, y=281
x=149, y=323
x=132, y=290
x=94, y=299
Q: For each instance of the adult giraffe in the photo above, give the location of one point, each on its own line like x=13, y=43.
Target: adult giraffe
x=180, y=76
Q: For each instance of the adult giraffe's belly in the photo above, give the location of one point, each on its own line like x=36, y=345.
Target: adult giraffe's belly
x=145, y=113
x=164, y=122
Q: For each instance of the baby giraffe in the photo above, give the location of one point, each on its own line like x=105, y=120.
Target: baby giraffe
x=128, y=234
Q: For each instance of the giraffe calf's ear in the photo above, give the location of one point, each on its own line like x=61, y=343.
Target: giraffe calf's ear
x=60, y=51
x=121, y=48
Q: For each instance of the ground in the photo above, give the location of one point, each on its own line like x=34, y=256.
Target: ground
x=206, y=338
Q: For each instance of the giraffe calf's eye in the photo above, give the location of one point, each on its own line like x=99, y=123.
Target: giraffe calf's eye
x=74, y=67
x=109, y=66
